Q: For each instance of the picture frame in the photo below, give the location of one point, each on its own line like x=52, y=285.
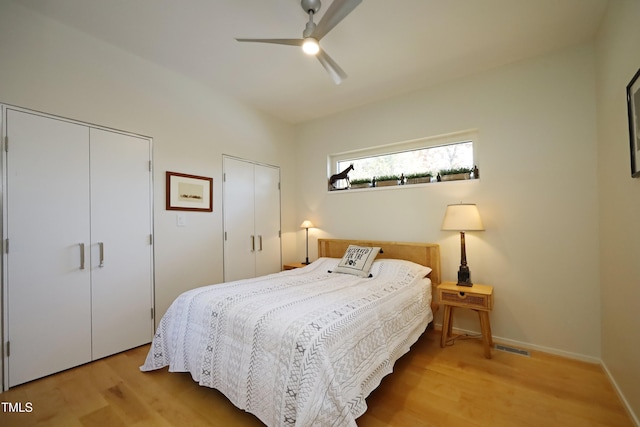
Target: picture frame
x=633, y=110
x=189, y=192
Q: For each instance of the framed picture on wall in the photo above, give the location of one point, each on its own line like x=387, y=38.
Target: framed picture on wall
x=633, y=108
x=189, y=192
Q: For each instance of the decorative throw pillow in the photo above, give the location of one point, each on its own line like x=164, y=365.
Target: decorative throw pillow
x=357, y=260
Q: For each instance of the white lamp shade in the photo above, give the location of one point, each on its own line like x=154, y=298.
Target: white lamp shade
x=306, y=224
x=462, y=217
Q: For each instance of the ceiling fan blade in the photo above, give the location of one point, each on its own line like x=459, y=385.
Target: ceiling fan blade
x=290, y=42
x=338, y=10
x=334, y=70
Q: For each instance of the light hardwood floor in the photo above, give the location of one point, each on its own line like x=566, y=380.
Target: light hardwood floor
x=431, y=386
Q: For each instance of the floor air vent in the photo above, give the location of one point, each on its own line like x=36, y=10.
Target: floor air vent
x=512, y=350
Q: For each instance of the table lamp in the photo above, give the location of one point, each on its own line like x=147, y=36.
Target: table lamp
x=462, y=217
x=306, y=224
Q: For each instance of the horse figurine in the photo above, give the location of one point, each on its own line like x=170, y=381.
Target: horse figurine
x=342, y=175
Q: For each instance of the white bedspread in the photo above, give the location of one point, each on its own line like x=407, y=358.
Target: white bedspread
x=302, y=347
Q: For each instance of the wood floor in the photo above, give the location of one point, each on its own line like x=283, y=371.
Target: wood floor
x=431, y=386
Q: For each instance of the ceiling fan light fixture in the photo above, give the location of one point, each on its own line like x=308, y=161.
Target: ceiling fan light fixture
x=313, y=33
x=310, y=46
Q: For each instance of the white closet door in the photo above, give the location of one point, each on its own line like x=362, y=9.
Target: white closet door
x=49, y=318
x=251, y=204
x=121, y=251
x=267, y=220
x=238, y=205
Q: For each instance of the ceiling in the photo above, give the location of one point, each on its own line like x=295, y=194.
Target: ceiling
x=387, y=47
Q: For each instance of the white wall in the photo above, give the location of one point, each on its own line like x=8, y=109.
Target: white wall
x=537, y=193
x=618, y=60
x=49, y=67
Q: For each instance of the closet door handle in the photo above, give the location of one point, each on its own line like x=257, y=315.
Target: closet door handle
x=253, y=243
x=101, y=246
x=260, y=242
x=81, y=255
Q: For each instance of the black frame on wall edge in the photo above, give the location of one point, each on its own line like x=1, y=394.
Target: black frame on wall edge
x=633, y=110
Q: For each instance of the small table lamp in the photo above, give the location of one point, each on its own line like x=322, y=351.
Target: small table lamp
x=307, y=225
x=462, y=217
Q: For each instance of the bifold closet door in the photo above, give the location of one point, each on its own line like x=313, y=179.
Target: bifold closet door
x=239, y=206
x=48, y=232
x=267, y=219
x=251, y=205
x=121, y=251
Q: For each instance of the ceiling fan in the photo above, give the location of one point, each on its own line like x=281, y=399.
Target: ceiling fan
x=313, y=33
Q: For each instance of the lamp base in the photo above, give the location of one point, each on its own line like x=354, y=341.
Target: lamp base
x=464, y=276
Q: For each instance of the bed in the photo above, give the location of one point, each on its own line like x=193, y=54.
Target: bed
x=306, y=346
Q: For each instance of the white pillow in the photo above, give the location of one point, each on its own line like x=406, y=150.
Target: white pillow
x=414, y=269
x=357, y=260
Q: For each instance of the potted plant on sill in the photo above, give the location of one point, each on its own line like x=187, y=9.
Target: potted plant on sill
x=386, y=180
x=454, y=174
x=418, y=178
x=361, y=183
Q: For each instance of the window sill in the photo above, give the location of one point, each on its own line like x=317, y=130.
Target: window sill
x=403, y=187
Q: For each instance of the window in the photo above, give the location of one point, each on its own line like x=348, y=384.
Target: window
x=433, y=155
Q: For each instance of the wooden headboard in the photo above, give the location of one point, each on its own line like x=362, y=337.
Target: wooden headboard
x=421, y=253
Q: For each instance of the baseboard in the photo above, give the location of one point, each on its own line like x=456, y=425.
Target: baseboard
x=549, y=350
x=529, y=346
x=620, y=395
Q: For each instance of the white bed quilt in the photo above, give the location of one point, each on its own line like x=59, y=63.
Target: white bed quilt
x=302, y=347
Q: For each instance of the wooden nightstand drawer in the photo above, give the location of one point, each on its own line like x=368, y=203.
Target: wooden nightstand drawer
x=476, y=297
x=466, y=299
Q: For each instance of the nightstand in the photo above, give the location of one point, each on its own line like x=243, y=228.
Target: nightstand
x=293, y=265
x=478, y=298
